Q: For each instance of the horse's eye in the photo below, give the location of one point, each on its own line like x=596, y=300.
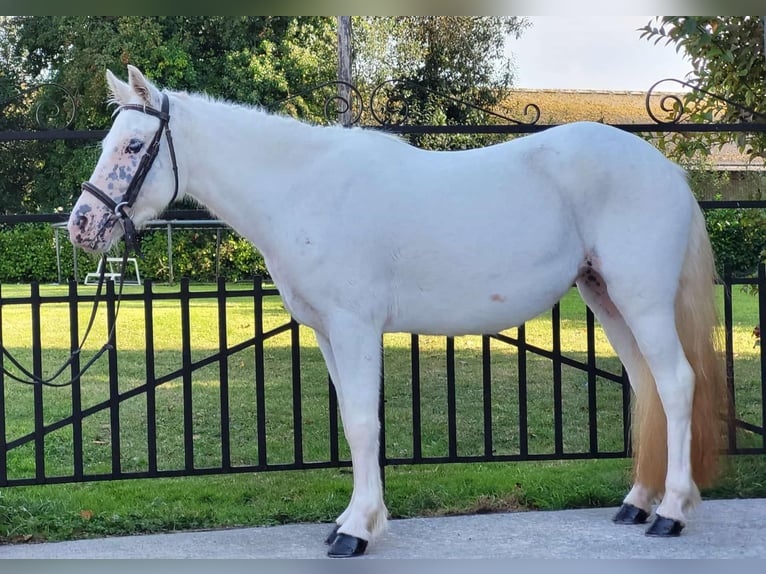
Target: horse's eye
x=134, y=146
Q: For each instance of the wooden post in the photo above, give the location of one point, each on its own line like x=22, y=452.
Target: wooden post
x=344, y=69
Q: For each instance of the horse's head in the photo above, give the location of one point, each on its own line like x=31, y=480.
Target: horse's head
x=136, y=176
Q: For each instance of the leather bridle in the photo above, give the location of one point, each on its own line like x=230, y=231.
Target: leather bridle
x=119, y=210
x=131, y=194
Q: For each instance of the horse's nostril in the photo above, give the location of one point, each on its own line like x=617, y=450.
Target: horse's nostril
x=81, y=219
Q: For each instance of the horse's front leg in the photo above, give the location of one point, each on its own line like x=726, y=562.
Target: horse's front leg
x=351, y=348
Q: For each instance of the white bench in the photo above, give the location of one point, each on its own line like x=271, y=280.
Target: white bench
x=113, y=272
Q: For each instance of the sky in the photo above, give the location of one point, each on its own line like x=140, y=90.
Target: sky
x=593, y=52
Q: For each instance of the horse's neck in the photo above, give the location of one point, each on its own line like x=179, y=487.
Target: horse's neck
x=240, y=160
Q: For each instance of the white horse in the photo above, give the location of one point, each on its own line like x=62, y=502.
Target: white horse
x=365, y=234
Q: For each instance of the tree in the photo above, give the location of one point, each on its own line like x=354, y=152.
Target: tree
x=248, y=59
x=461, y=57
x=727, y=54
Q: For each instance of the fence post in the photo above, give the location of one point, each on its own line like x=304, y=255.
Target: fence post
x=344, y=69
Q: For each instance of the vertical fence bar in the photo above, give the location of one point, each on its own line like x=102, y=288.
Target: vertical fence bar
x=295, y=344
x=451, y=403
x=260, y=376
x=486, y=375
x=37, y=366
x=592, y=402
x=186, y=361
x=556, y=363
x=114, y=380
x=382, y=456
x=223, y=376
x=151, y=381
x=729, y=355
x=76, y=390
x=417, y=430
x=521, y=358
x=762, y=323
x=3, y=430
x=332, y=409
x=627, y=421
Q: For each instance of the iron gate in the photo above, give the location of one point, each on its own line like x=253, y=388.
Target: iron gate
x=139, y=414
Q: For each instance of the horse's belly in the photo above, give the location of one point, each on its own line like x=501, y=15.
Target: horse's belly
x=480, y=304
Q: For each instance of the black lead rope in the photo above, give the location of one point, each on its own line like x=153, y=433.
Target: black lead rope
x=131, y=244
x=29, y=378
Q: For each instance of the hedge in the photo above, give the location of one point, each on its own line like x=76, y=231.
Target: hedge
x=28, y=253
x=738, y=237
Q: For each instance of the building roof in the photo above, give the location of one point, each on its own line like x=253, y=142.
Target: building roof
x=612, y=107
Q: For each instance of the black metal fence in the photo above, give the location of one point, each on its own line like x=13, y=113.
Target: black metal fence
x=178, y=402
x=219, y=379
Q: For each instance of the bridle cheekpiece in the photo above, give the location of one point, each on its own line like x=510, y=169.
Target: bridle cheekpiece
x=129, y=198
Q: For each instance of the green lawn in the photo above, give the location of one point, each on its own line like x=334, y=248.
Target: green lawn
x=95, y=508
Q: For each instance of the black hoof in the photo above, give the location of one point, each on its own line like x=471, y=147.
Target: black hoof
x=333, y=535
x=665, y=527
x=629, y=514
x=346, y=546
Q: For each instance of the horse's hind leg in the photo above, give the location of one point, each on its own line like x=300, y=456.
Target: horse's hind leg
x=637, y=505
x=651, y=320
x=354, y=350
x=674, y=377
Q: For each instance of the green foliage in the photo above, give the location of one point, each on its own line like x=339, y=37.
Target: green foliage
x=29, y=254
x=738, y=237
x=727, y=54
x=250, y=59
x=194, y=256
x=440, y=62
x=450, y=54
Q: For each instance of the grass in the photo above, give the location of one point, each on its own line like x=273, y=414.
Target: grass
x=65, y=511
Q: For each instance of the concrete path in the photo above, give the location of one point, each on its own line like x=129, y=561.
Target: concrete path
x=717, y=529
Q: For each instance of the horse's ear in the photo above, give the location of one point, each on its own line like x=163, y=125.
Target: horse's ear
x=142, y=87
x=119, y=90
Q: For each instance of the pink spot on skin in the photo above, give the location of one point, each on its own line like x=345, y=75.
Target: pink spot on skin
x=497, y=297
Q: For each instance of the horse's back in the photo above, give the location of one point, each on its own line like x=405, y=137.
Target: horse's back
x=480, y=240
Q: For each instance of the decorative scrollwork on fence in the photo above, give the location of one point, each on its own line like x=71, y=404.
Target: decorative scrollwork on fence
x=342, y=102
x=45, y=106
x=390, y=103
x=674, y=106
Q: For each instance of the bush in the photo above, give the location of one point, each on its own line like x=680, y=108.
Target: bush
x=194, y=256
x=738, y=237
x=28, y=253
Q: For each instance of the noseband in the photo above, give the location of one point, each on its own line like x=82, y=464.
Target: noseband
x=118, y=208
x=127, y=200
